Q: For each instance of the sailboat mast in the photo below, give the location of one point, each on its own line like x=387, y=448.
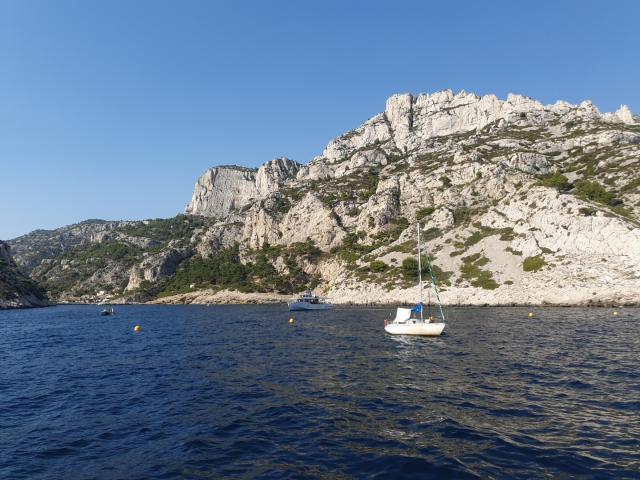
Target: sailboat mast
x=420, y=270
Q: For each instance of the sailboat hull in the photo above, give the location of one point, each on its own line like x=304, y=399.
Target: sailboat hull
x=424, y=329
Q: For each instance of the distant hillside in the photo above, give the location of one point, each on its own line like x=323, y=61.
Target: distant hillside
x=519, y=203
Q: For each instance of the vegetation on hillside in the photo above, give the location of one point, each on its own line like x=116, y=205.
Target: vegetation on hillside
x=468, y=174
x=13, y=282
x=556, y=180
x=533, y=264
x=593, y=191
x=225, y=270
x=472, y=272
x=163, y=230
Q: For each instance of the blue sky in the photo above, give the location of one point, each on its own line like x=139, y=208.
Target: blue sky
x=112, y=109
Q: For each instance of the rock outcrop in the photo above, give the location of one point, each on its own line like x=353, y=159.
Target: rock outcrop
x=157, y=267
x=16, y=289
x=221, y=190
x=309, y=219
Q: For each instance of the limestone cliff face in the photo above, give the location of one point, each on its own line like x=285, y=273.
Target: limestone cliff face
x=221, y=190
x=16, y=289
x=309, y=219
x=468, y=166
x=157, y=267
x=519, y=202
x=410, y=122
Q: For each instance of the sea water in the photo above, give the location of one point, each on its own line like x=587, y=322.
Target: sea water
x=239, y=392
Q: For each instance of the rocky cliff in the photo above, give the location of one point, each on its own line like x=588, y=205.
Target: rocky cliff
x=221, y=190
x=519, y=202
x=16, y=289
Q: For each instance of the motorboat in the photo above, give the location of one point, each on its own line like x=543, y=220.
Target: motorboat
x=309, y=301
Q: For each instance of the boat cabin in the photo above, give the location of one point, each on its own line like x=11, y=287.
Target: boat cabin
x=308, y=297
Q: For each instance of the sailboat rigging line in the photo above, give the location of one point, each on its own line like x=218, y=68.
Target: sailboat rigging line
x=435, y=287
x=420, y=272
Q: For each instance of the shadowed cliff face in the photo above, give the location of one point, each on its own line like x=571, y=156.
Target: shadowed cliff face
x=16, y=289
x=519, y=202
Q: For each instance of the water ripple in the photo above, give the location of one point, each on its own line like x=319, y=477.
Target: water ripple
x=237, y=392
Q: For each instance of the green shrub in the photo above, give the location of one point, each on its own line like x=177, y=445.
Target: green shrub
x=555, y=180
x=474, y=238
x=378, y=266
x=593, y=191
x=441, y=275
x=282, y=204
x=624, y=211
x=461, y=215
x=446, y=181
x=306, y=249
x=471, y=258
x=369, y=185
x=410, y=268
x=506, y=234
x=471, y=271
x=533, y=264
x=296, y=195
x=353, y=212
x=392, y=232
x=431, y=234
x=351, y=250
x=424, y=212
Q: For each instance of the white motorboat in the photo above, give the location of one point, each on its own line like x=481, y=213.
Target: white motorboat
x=309, y=301
x=407, y=321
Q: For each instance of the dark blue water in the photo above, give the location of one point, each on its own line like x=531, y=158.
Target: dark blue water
x=237, y=392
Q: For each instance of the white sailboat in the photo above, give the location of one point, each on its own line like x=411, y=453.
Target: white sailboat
x=407, y=324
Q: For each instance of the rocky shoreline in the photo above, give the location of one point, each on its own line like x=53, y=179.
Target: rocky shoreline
x=208, y=296
x=400, y=297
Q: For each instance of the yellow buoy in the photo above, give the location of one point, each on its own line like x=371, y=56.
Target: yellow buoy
x=137, y=328
x=291, y=320
x=530, y=314
x=615, y=313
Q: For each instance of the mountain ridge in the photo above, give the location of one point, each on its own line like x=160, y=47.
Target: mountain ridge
x=499, y=186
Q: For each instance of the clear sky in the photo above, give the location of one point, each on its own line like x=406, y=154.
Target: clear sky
x=112, y=109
